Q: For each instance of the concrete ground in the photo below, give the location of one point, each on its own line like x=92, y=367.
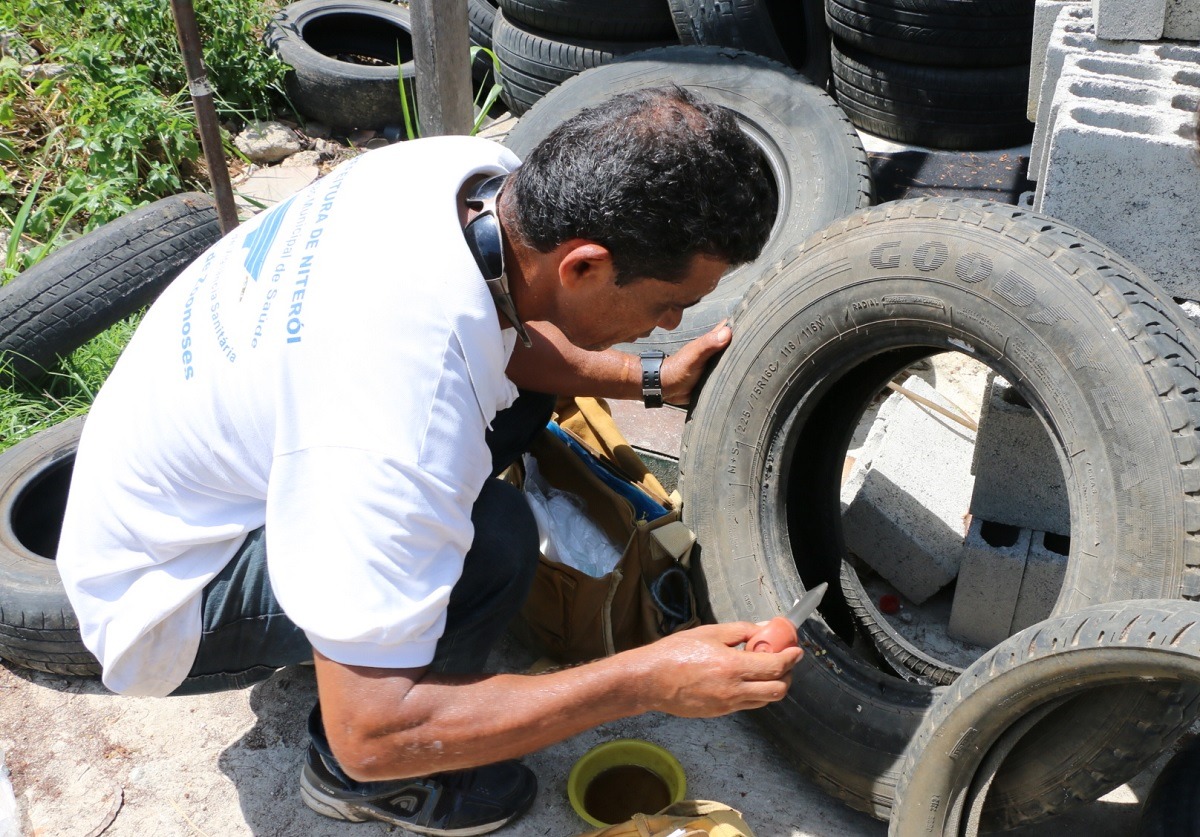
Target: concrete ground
x=85, y=762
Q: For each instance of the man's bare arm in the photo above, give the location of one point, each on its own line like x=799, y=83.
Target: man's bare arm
x=555, y=365
x=390, y=724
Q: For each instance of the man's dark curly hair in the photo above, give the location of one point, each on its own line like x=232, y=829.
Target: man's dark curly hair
x=657, y=176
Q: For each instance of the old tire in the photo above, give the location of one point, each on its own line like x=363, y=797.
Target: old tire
x=1148, y=649
x=938, y=107
x=1102, y=354
x=617, y=20
x=1172, y=808
x=819, y=166
x=347, y=59
x=78, y=291
x=790, y=33
x=533, y=63
x=38, y=628
x=952, y=33
x=481, y=17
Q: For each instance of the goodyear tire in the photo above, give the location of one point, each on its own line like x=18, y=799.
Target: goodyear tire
x=820, y=168
x=1147, y=650
x=38, y=628
x=78, y=291
x=1103, y=356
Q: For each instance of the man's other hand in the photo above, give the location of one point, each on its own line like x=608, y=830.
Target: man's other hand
x=682, y=370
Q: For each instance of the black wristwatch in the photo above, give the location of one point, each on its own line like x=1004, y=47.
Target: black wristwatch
x=652, y=394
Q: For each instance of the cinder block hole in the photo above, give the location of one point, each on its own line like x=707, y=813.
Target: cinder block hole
x=1060, y=544
x=1177, y=52
x=1130, y=123
x=1186, y=102
x=1109, y=93
x=1010, y=395
x=999, y=534
x=1140, y=72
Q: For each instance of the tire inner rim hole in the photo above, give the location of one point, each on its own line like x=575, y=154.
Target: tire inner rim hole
x=359, y=39
x=912, y=468
x=770, y=159
x=37, y=514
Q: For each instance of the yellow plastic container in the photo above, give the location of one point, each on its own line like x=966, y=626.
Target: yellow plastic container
x=623, y=752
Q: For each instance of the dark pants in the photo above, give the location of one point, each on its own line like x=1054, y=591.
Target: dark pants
x=247, y=636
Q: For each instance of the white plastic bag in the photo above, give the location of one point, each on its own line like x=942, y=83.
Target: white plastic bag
x=567, y=534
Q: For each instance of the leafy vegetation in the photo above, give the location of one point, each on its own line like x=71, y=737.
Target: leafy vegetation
x=29, y=406
x=95, y=119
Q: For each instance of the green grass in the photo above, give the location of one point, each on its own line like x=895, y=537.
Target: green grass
x=27, y=406
x=105, y=128
x=113, y=130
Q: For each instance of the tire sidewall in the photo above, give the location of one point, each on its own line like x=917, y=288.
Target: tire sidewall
x=30, y=581
x=341, y=93
x=811, y=314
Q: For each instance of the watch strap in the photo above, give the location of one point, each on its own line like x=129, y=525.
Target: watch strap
x=652, y=361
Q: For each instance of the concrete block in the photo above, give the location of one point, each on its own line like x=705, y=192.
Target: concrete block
x=907, y=495
x=1128, y=177
x=1045, y=12
x=1130, y=20
x=1135, y=80
x=1018, y=478
x=1045, y=568
x=1183, y=20
x=989, y=582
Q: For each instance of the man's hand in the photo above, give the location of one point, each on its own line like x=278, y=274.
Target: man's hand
x=701, y=673
x=394, y=723
x=682, y=370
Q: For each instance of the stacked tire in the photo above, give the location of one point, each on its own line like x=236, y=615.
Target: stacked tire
x=940, y=73
x=791, y=33
x=542, y=43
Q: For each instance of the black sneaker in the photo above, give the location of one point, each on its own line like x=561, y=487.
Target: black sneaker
x=457, y=804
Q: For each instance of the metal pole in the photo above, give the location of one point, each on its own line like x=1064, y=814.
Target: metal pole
x=441, y=50
x=206, y=112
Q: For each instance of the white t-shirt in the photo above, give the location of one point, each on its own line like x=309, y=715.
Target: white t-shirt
x=328, y=369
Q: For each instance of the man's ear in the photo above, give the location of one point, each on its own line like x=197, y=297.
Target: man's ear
x=584, y=262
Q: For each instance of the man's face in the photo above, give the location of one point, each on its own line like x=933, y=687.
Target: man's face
x=604, y=314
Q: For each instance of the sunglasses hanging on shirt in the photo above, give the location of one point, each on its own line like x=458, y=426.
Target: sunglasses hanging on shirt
x=485, y=240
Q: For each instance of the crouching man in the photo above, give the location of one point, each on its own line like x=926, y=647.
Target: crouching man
x=292, y=459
